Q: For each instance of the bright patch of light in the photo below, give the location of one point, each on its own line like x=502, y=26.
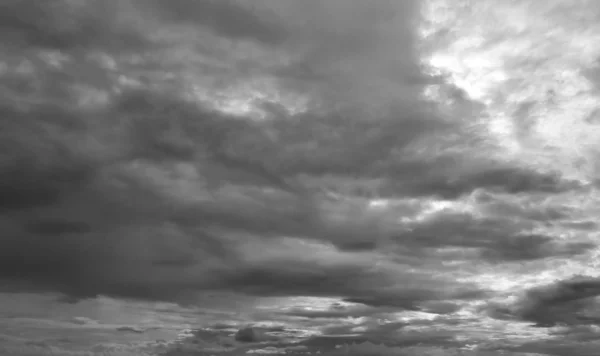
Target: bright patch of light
x=245, y=101
x=474, y=73
x=379, y=203
x=433, y=207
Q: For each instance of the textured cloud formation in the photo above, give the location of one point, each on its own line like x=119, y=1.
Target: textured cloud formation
x=105, y=181
x=566, y=302
x=159, y=150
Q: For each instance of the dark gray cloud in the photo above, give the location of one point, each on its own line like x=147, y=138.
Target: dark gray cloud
x=451, y=177
x=57, y=227
x=39, y=172
x=229, y=18
x=115, y=181
x=120, y=233
x=561, y=346
x=444, y=177
x=65, y=25
x=532, y=247
x=381, y=332
x=568, y=302
x=141, y=240
x=510, y=179
x=493, y=238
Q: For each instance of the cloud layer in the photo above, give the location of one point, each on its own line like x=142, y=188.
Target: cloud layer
x=158, y=150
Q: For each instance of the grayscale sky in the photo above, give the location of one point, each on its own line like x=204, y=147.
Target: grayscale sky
x=401, y=172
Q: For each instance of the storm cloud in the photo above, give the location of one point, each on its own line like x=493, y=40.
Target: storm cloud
x=566, y=302
x=125, y=172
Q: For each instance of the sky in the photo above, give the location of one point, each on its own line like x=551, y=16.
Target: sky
x=380, y=169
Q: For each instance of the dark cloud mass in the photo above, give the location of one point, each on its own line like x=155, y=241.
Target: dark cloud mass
x=229, y=18
x=67, y=25
x=566, y=302
x=123, y=172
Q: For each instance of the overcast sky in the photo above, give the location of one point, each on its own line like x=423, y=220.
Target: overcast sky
x=430, y=163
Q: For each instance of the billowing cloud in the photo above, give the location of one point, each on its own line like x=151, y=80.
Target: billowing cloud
x=161, y=150
x=112, y=198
